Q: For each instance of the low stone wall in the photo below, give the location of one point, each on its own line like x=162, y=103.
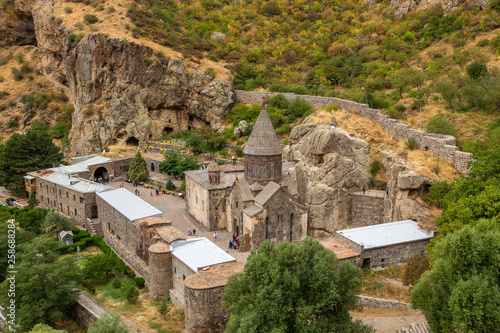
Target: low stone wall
x=443, y=146
x=366, y=209
x=87, y=310
x=372, y=302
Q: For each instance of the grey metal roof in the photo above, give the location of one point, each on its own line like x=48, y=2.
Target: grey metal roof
x=263, y=139
x=385, y=234
x=201, y=177
x=62, y=234
x=267, y=193
x=29, y=177
x=128, y=204
x=252, y=210
x=197, y=253
x=74, y=183
x=81, y=166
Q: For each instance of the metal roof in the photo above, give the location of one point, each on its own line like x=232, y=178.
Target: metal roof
x=74, y=183
x=263, y=139
x=385, y=234
x=128, y=204
x=81, y=166
x=197, y=253
x=201, y=177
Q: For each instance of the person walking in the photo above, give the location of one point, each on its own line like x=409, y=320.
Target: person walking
x=215, y=237
x=364, y=191
x=194, y=231
x=151, y=193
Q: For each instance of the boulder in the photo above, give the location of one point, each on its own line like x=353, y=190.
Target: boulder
x=217, y=36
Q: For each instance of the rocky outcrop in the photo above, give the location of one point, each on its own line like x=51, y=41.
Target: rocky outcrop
x=331, y=163
x=404, y=186
x=403, y=7
x=122, y=92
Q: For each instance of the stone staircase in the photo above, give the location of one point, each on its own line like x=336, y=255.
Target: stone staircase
x=416, y=328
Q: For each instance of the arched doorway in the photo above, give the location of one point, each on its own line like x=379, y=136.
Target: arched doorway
x=132, y=141
x=101, y=172
x=168, y=129
x=152, y=167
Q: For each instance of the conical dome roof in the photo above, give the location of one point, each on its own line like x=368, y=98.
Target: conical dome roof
x=213, y=166
x=263, y=139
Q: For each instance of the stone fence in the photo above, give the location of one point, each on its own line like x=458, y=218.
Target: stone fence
x=87, y=310
x=443, y=146
x=372, y=302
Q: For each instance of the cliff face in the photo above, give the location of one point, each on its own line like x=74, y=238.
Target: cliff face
x=122, y=91
x=403, y=7
x=332, y=163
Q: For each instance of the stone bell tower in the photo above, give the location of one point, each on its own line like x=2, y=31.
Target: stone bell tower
x=263, y=153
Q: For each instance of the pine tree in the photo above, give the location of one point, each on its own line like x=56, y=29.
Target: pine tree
x=23, y=153
x=170, y=185
x=138, y=169
x=33, y=201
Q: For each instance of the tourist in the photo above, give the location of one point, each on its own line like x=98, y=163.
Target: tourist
x=387, y=192
x=194, y=231
x=363, y=190
x=215, y=237
x=230, y=245
x=138, y=193
x=189, y=233
x=151, y=193
x=234, y=237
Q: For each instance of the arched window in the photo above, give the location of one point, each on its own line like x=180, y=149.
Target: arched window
x=270, y=172
x=255, y=171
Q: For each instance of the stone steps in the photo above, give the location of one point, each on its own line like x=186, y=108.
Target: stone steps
x=416, y=328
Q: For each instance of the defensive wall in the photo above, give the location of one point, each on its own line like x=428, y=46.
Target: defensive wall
x=443, y=146
x=372, y=302
x=368, y=208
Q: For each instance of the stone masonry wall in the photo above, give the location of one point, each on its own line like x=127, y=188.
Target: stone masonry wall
x=372, y=302
x=443, y=146
x=204, y=312
x=393, y=254
x=366, y=210
x=180, y=273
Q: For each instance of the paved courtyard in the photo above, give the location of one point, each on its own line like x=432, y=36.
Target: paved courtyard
x=174, y=209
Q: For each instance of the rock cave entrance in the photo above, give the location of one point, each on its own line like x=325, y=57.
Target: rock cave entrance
x=318, y=159
x=132, y=141
x=168, y=129
x=100, y=172
x=21, y=28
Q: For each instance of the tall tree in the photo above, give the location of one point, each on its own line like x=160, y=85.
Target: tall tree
x=293, y=288
x=461, y=293
x=108, y=324
x=54, y=223
x=46, y=285
x=138, y=169
x=23, y=153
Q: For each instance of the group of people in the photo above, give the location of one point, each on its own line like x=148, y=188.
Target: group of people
x=137, y=192
x=235, y=243
x=193, y=233
x=102, y=180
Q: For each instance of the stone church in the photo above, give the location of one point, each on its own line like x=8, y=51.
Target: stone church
x=257, y=203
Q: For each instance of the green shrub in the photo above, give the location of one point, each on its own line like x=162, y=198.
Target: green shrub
x=284, y=129
x=163, y=306
x=437, y=192
x=375, y=167
x=148, y=60
x=483, y=42
x=79, y=26
x=111, y=9
x=17, y=74
x=170, y=185
x=116, y=283
x=238, y=151
x=394, y=114
x=68, y=10
x=132, y=294
x=211, y=72
x=160, y=54
x=414, y=268
x=440, y=125
x=90, y=18
x=93, y=28
x=3, y=94
x=26, y=68
x=139, y=282
x=411, y=143
x=12, y=123
x=99, y=7
x=19, y=57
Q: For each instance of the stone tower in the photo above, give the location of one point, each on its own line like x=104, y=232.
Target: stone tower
x=213, y=173
x=263, y=153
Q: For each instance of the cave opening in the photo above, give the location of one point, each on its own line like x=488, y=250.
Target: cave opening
x=132, y=141
x=22, y=28
x=168, y=129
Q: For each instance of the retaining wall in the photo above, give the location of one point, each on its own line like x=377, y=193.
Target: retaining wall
x=372, y=302
x=366, y=209
x=443, y=146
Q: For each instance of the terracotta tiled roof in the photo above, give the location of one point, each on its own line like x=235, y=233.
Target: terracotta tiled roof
x=263, y=139
x=267, y=193
x=341, y=250
x=170, y=234
x=155, y=220
x=159, y=248
x=215, y=276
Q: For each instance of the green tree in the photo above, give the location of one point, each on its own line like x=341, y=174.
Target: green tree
x=293, y=288
x=21, y=238
x=138, y=169
x=99, y=267
x=170, y=185
x=440, y=125
x=197, y=143
x=108, y=324
x=46, y=285
x=33, y=201
x=31, y=219
x=476, y=70
x=54, y=223
x=461, y=293
x=42, y=328
x=177, y=164
x=23, y=153
x=447, y=90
